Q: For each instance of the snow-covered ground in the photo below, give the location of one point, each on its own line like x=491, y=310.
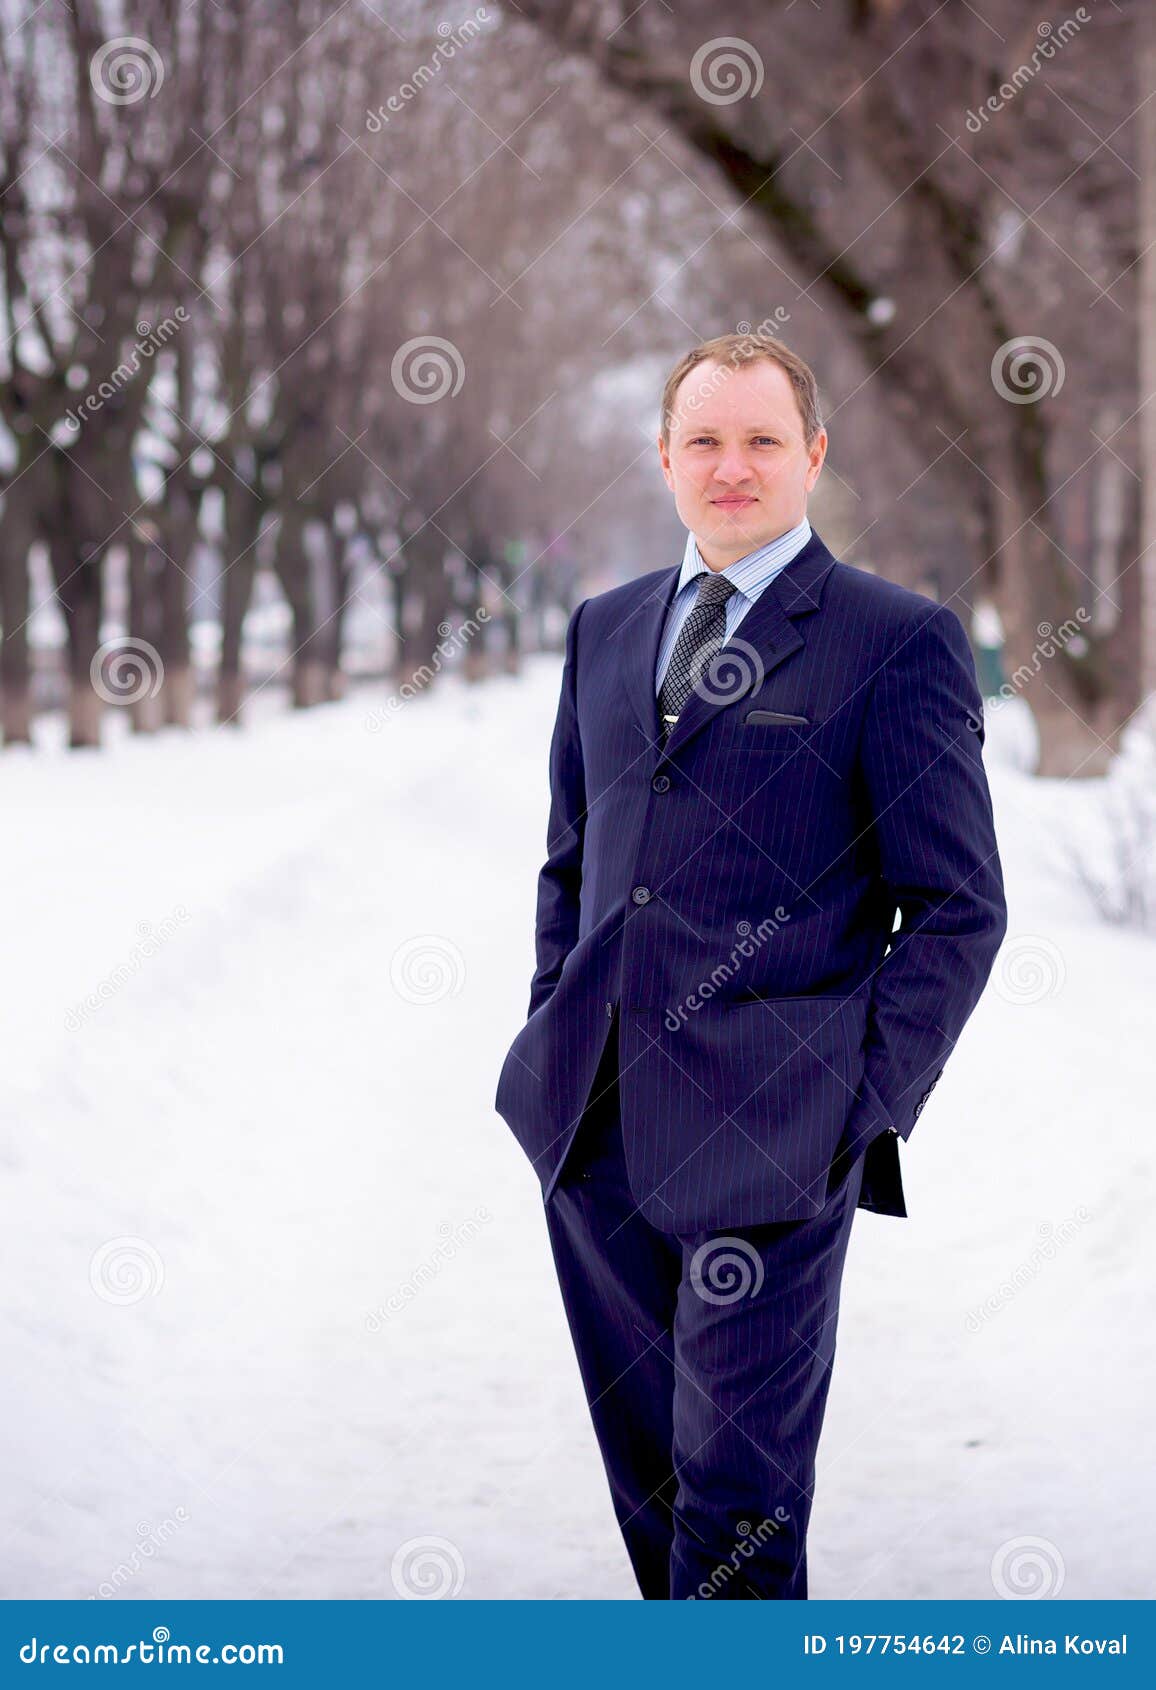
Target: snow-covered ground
x=279, y=1315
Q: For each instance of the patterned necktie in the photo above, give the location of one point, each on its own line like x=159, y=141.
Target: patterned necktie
x=699, y=639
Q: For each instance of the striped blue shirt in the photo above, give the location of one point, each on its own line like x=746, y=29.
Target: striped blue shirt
x=750, y=575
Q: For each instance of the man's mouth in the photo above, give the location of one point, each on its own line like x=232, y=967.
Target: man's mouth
x=735, y=501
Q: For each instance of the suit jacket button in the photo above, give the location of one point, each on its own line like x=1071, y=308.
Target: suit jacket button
x=610, y=1012
x=641, y=894
x=661, y=783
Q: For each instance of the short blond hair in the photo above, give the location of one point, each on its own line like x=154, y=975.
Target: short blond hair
x=733, y=351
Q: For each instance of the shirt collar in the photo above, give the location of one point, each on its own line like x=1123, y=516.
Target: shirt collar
x=751, y=573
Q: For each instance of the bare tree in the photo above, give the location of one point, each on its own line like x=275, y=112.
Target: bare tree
x=934, y=240
x=101, y=193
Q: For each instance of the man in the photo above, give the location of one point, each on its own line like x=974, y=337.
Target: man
x=760, y=758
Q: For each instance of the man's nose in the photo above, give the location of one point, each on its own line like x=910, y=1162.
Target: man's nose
x=733, y=467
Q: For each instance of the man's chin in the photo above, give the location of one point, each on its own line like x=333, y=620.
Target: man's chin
x=747, y=527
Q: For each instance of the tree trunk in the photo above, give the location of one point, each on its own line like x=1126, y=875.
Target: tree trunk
x=399, y=592
x=297, y=576
x=244, y=513
x=179, y=685
x=1048, y=656
x=1072, y=687
x=336, y=680
x=1146, y=68
x=78, y=571
x=15, y=663
x=145, y=561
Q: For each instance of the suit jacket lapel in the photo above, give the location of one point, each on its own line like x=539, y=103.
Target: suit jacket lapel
x=767, y=635
x=641, y=636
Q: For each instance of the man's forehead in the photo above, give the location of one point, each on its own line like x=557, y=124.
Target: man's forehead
x=760, y=386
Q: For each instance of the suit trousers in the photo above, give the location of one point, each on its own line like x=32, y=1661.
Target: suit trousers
x=705, y=1359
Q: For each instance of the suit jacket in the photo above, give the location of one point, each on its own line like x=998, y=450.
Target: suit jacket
x=734, y=895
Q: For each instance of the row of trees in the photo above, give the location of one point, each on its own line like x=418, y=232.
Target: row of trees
x=971, y=199
x=352, y=298
x=239, y=325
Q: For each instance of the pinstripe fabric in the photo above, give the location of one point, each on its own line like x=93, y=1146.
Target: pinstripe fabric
x=706, y=1362
x=748, y=576
x=735, y=893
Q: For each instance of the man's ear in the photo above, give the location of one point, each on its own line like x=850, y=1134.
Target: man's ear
x=815, y=469
x=664, y=460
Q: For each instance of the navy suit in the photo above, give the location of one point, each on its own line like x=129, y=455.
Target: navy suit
x=725, y=906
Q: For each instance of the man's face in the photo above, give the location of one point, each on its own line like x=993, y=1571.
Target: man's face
x=737, y=463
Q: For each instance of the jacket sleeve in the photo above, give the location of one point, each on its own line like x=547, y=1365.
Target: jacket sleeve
x=560, y=878
x=931, y=818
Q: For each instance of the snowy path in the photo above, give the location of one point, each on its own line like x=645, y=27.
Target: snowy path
x=299, y=1142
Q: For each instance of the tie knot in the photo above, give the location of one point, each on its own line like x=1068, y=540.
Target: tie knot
x=714, y=588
